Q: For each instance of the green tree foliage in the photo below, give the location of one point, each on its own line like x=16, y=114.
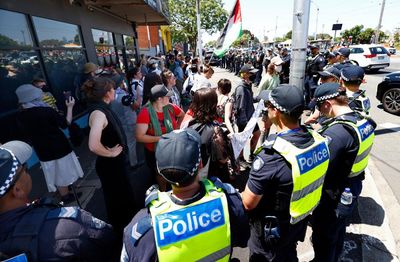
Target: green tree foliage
x=361, y=35
x=397, y=37
x=245, y=40
x=183, y=19
x=288, y=35
x=7, y=42
x=211, y=43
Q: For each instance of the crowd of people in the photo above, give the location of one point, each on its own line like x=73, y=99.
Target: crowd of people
x=169, y=111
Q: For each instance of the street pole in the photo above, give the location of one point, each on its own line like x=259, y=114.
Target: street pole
x=316, y=25
x=380, y=22
x=199, y=47
x=301, y=18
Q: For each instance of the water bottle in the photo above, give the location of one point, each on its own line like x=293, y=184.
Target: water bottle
x=347, y=197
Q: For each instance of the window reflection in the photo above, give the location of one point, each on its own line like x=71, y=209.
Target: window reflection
x=14, y=30
x=57, y=34
x=130, y=50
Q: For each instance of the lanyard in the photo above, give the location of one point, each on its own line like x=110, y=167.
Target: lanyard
x=290, y=131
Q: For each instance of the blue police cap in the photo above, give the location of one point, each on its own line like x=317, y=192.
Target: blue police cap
x=352, y=73
x=12, y=155
x=344, y=51
x=331, y=71
x=286, y=98
x=328, y=91
x=179, y=149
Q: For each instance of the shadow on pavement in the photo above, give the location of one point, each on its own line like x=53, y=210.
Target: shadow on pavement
x=357, y=246
x=372, y=213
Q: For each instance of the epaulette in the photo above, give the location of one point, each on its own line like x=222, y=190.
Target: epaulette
x=63, y=212
x=269, y=142
x=228, y=188
x=151, y=194
x=140, y=228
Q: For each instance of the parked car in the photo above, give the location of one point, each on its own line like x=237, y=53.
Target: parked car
x=392, y=50
x=388, y=93
x=370, y=57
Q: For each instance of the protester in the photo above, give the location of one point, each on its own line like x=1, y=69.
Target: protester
x=41, y=126
x=157, y=118
x=203, y=80
x=48, y=97
x=107, y=140
x=169, y=80
x=224, y=87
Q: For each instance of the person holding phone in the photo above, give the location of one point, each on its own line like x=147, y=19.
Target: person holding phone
x=41, y=126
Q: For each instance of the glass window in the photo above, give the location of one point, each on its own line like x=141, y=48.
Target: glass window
x=129, y=43
x=16, y=68
x=14, y=30
x=378, y=50
x=62, y=67
x=101, y=37
x=356, y=50
x=52, y=33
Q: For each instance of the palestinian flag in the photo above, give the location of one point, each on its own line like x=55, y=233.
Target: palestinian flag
x=231, y=32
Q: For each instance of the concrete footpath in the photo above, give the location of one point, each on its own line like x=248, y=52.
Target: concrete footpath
x=371, y=236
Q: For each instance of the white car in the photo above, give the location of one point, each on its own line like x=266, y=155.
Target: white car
x=370, y=57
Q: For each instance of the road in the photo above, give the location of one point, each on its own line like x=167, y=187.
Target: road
x=386, y=152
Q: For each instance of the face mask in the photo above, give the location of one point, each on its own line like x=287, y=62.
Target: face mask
x=278, y=68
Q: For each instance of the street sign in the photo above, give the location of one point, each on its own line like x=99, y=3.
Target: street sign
x=337, y=26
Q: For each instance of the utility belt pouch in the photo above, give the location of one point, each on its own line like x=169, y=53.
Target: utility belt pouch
x=271, y=230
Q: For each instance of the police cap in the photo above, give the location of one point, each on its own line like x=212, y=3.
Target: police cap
x=331, y=71
x=352, y=73
x=344, y=51
x=179, y=149
x=286, y=98
x=12, y=155
x=248, y=69
x=328, y=91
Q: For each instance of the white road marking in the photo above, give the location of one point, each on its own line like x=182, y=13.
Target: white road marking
x=392, y=126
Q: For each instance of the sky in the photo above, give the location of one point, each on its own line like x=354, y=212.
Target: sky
x=273, y=18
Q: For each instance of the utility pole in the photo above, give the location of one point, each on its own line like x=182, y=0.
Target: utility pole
x=276, y=27
x=199, y=47
x=301, y=18
x=316, y=25
x=380, y=22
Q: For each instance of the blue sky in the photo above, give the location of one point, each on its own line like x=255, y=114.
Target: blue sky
x=270, y=16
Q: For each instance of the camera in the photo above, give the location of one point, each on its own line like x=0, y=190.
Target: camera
x=128, y=100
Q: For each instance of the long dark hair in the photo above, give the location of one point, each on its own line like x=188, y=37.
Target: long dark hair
x=204, y=105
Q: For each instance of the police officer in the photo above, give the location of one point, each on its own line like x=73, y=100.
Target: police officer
x=351, y=137
x=351, y=78
x=286, y=179
x=285, y=56
x=44, y=230
x=343, y=58
x=197, y=220
x=315, y=63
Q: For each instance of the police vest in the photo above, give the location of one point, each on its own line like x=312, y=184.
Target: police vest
x=196, y=232
x=309, y=166
x=363, y=103
x=366, y=135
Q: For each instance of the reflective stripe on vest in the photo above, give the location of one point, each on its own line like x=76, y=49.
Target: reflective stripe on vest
x=366, y=136
x=309, y=166
x=196, y=232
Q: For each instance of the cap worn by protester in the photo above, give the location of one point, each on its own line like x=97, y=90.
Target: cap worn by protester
x=160, y=91
x=327, y=91
x=286, y=98
x=331, y=71
x=179, y=149
x=12, y=155
x=27, y=93
x=344, y=51
x=89, y=68
x=248, y=69
x=276, y=60
x=352, y=73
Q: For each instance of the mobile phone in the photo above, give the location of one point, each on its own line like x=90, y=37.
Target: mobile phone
x=67, y=95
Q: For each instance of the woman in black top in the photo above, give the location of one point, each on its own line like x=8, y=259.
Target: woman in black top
x=41, y=126
x=108, y=142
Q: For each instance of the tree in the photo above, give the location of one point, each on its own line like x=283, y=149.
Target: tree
x=397, y=37
x=183, y=19
x=5, y=41
x=245, y=39
x=211, y=43
x=288, y=35
x=354, y=33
